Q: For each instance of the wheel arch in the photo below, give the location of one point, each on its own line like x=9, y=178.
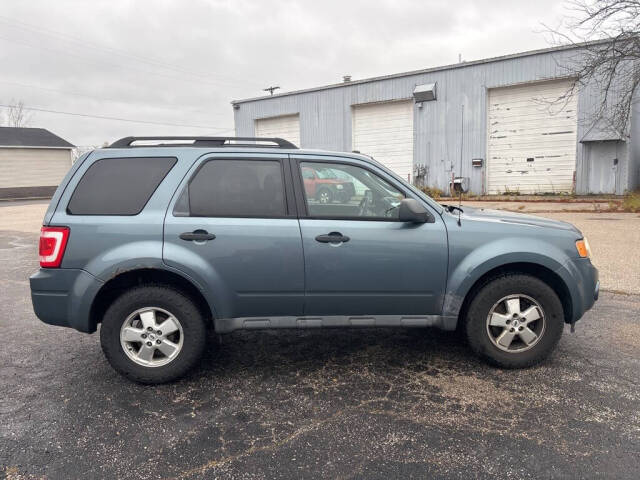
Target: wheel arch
x=157, y=276
x=537, y=270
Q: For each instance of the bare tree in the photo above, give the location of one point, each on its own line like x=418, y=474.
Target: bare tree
x=17, y=116
x=608, y=34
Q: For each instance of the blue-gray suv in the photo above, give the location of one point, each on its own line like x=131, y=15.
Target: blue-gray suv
x=159, y=239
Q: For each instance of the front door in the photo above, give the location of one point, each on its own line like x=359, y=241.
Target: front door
x=603, y=166
x=233, y=229
x=359, y=258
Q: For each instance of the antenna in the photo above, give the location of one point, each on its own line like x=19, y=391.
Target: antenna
x=270, y=89
x=461, y=150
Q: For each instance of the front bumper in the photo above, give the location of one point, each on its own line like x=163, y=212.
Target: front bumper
x=582, y=279
x=63, y=297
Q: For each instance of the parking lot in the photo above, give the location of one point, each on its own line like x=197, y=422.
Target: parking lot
x=325, y=404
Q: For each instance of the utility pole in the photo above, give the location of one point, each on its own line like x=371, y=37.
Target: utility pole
x=270, y=89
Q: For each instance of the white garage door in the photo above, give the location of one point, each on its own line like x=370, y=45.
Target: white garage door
x=532, y=141
x=33, y=167
x=287, y=127
x=385, y=131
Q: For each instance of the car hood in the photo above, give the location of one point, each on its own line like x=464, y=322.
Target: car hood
x=488, y=215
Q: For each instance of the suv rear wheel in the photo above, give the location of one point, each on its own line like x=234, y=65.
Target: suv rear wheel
x=514, y=321
x=324, y=195
x=153, y=334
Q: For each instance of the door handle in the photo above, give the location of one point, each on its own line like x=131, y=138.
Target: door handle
x=197, y=236
x=333, y=237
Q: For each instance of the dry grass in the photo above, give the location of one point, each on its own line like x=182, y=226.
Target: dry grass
x=433, y=192
x=631, y=202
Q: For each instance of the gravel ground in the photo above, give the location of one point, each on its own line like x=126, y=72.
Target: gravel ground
x=610, y=236
x=538, y=206
x=317, y=404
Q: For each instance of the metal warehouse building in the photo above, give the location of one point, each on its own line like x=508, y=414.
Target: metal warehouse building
x=495, y=121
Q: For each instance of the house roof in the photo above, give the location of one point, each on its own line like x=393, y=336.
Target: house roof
x=426, y=70
x=31, y=137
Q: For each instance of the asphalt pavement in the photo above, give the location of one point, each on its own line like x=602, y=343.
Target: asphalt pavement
x=317, y=404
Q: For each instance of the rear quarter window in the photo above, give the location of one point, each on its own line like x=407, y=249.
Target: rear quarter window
x=119, y=186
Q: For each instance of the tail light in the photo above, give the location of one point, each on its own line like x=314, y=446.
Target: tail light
x=53, y=241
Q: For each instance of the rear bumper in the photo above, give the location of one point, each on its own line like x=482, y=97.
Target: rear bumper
x=63, y=297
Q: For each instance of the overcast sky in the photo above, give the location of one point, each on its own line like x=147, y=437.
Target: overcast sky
x=182, y=62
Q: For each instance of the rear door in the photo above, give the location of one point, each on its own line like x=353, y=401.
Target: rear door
x=359, y=258
x=232, y=226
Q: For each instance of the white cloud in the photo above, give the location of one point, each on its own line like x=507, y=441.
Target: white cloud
x=184, y=61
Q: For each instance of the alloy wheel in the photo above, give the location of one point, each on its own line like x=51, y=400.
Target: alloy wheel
x=516, y=323
x=151, y=337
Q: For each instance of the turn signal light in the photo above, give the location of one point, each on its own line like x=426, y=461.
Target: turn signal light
x=53, y=241
x=583, y=248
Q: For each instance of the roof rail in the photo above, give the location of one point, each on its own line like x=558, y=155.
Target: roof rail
x=126, y=142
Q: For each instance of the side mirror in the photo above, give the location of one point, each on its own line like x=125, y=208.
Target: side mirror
x=411, y=210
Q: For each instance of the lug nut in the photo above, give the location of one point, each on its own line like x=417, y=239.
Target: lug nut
x=159, y=332
x=149, y=329
x=508, y=322
x=512, y=330
x=144, y=335
x=149, y=344
x=158, y=342
x=521, y=328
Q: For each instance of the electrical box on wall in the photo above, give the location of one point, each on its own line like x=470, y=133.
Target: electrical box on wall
x=476, y=162
x=424, y=93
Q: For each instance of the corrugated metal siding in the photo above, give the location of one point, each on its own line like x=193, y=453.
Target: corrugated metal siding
x=449, y=132
x=532, y=139
x=33, y=167
x=634, y=148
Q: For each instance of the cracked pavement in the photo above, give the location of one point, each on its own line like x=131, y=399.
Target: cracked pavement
x=375, y=403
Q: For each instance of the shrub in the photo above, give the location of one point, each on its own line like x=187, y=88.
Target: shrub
x=631, y=202
x=433, y=192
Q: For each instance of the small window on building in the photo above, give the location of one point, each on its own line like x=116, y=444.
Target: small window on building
x=119, y=186
x=237, y=188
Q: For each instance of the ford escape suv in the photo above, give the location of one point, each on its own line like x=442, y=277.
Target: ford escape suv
x=157, y=242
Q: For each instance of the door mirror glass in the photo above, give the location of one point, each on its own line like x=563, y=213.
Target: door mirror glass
x=411, y=210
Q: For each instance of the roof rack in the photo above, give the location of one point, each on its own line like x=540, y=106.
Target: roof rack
x=126, y=142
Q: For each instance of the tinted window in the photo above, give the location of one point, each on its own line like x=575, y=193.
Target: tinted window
x=119, y=186
x=337, y=190
x=243, y=188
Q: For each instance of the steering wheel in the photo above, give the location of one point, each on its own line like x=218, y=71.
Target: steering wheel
x=364, y=205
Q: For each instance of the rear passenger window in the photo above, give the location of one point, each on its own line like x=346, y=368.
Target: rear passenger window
x=119, y=186
x=237, y=188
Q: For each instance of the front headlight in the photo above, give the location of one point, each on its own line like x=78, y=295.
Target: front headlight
x=583, y=247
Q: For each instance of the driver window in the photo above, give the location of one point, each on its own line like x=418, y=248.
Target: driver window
x=335, y=190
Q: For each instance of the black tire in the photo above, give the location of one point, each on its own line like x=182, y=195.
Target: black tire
x=329, y=193
x=476, y=329
x=181, y=306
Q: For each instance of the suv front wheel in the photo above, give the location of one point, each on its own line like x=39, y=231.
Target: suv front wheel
x=514, y=321
x=153, y=334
